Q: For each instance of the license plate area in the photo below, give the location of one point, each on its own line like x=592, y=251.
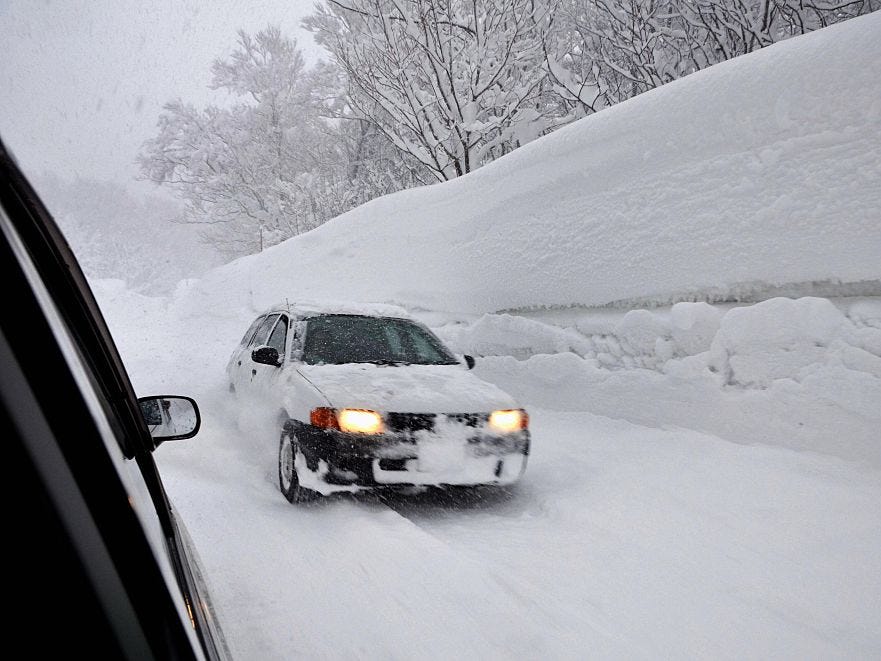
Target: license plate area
x=440, y=456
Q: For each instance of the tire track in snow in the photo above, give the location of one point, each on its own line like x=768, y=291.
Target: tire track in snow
x=574, y=631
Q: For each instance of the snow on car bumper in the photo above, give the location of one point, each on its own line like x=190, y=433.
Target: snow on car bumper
x=454, y=455
x=471, y=471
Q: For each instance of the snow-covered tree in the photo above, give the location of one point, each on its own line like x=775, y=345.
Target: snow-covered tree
x=285, y=156
x=239, y=168
x=123, y=236
x=605, y=51
x=451, y=83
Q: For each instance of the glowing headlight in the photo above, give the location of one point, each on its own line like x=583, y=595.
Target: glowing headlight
x=360, y=421
x=508, y=421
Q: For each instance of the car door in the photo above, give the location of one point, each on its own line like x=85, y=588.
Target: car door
x=245, y=367
x=265, y=377
x=233, y=367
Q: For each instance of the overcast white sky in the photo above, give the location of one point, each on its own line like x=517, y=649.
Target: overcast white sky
x=83, y=82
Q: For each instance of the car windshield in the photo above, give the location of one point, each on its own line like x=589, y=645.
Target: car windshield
x=337, y=339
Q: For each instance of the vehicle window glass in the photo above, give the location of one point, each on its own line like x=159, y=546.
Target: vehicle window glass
x=337, y=339
x=262, y=333
x=393, y=338
x=250, y=332
x=129, y=471
x=278, y=336
x=419, y=344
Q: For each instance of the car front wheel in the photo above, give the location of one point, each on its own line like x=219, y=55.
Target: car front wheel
x=288, y=480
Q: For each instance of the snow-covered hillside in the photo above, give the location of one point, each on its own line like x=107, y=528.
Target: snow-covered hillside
x=761, y=171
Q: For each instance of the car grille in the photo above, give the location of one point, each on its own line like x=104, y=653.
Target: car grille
x=410, y=422
x=414, y=422
x=469, y=419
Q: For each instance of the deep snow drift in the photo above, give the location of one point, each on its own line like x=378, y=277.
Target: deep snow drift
x=804, y=374
x=759, y=171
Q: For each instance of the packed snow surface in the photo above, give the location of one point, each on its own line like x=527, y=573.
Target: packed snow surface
x=620, y=542
x=761, y=171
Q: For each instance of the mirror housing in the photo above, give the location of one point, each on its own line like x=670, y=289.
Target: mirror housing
x=469, y=360
x=170, y=417
x=266, y=356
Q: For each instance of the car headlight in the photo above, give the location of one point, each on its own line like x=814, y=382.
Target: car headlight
x=358, y=421
x=509, y=420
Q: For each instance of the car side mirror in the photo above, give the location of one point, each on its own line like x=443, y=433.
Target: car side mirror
x=265, y=356
x=469, y=360
x=170, y=417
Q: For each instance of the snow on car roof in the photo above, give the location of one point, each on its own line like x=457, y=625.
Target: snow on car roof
x=305, y=308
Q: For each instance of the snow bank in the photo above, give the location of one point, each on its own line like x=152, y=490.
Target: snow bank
x=756, y=173
x=803, y=374
x=511, y=335
x=637, y=338
x=776, y=339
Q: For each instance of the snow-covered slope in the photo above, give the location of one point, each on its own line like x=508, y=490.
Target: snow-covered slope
x=762, y=171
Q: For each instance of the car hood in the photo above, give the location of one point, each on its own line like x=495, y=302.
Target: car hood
x=406, y=388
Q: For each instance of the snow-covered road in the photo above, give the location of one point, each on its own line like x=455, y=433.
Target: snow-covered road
x=621, y=541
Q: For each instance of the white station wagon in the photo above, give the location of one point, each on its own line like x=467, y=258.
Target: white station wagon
x=367, y=397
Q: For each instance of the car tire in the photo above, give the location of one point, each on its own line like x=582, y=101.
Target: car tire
x=288, y=480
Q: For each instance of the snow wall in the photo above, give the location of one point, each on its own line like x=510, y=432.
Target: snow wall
x=758, y=173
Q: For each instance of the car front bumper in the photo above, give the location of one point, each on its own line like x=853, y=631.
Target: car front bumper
x=456, y=455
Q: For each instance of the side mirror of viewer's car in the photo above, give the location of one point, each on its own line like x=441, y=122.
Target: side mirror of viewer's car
x=469, y=360
x=265, y=356
x=170, y=417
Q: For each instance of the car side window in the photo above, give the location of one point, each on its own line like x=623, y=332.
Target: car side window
x=278, y=336
x=418, y=343
x=298, y=328
x=262, y=334
x=393, y=338
x=250, y=332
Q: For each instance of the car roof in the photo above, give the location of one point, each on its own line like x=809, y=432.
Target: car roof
x=312, y=308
